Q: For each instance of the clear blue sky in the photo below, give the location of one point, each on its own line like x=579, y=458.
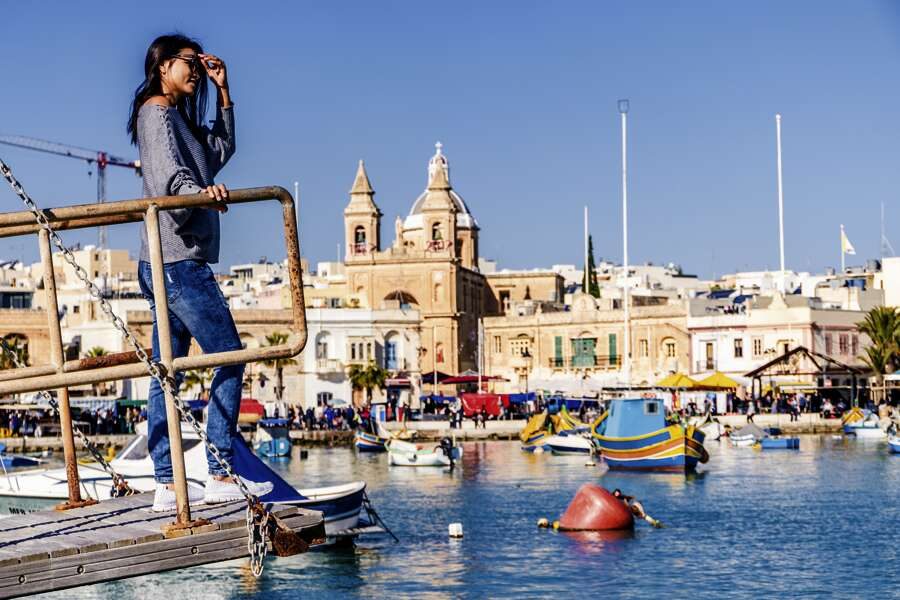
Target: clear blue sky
x=523, y=96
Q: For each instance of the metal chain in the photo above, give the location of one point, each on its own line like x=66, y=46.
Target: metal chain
x=120, y=486
x=156, y=370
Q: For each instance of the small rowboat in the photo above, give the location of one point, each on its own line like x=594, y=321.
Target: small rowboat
x=405, y=454
x=568, y=443
x=368, y=442
x=780, y=443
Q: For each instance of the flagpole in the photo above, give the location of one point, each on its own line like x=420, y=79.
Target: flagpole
x=780, y=199
x=587, y=277
x=842, y=249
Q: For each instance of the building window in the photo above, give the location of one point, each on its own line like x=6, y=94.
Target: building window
x=498, y=344
x=739, y=348
x=438, y=292
x=520, y=346
x=439, y=352
x=757, y=347
x=643, y=348
x=436, y=232
x=843, y=343
x=324, y=398
x=504, y=301
x=322, y=347
x=583, y=352
x=829, y=344
x=558, y=351
x=669, y=348
x=390, y=355
x=359, y=235
x=613, y=350
x=854, y=345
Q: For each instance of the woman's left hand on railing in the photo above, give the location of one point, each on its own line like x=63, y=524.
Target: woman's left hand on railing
x=218, y=193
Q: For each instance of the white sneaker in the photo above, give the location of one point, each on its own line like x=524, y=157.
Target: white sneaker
x=218, y=491
x=164, y=498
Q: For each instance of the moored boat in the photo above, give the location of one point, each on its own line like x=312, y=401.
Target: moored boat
x=406, y=454
x=39, y=489
x=634, y=435
x=710, y=426
x=747, y=435
x=894, y=444
x=780, y=443
x=271, y=438
x=567, y=442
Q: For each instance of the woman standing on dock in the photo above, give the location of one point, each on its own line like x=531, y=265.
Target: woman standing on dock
x=180, y=156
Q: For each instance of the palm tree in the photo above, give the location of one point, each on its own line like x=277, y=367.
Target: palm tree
x=96, y=352
x=19, y=347
x=199, y=377
x=278, y=339
x=882, y=325
x=367, y=378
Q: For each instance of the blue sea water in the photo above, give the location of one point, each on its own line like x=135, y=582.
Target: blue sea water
x=816, y=523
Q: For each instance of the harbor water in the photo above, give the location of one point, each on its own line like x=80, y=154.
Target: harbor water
x=819, y=522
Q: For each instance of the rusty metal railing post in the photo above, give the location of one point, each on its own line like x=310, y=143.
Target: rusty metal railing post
x=164, y=336
x=58, y=359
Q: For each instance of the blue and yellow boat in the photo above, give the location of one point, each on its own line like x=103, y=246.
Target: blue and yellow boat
x=634, y=435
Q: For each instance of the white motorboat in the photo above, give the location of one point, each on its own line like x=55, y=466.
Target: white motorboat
x=710, y=426
x=406, y=454
x=569, y=443
x=747, y=436
x=38, y=489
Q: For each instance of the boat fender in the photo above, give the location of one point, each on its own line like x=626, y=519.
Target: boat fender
x=455, y=530
x=595, y=509
x=543, y=523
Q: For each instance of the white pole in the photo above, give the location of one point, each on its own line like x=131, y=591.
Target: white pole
x=626, y=346
x=434, y=359
x=587, y=277
x=780, y=199
x=480, y=351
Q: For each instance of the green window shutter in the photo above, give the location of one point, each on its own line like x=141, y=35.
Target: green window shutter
x=558, y=350
x=613, y=355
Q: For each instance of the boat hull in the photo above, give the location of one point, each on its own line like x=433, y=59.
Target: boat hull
x=673, y=449
x=894, y=445
x=273, y=448
x=404, y=454
x=366, y=442
x=865, y=431
x=568, y=444
x=536, y=442
x=780, y=443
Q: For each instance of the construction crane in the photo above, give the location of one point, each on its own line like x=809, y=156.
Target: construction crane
x=92, y=157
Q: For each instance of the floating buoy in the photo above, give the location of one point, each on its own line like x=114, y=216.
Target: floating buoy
x=543, y=522
x=595, y=509
x=456, y=530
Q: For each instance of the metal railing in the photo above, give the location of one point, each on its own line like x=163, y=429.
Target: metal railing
x=60, y=374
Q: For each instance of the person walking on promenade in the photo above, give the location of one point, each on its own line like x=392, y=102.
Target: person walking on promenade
x=179, y=155
x=751, y=409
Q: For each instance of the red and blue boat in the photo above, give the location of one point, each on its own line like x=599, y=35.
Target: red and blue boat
x=635, y=435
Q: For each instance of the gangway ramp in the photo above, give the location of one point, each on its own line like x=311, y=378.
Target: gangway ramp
x=118, y=538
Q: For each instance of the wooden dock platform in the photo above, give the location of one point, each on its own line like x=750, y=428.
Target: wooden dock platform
x=118, y=538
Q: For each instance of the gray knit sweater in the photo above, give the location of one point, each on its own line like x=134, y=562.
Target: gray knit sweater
x=175, y=163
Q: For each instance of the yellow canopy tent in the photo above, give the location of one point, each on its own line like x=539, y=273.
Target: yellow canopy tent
x=719, y=380
x=677, y=380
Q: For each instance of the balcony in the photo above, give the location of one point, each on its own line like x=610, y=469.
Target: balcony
x=328, y=365
x=707, y=364
x=585, y=362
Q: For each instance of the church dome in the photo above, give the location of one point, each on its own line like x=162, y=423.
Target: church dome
x=464, y=218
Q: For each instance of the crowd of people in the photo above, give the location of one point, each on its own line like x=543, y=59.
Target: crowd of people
x=42, y=422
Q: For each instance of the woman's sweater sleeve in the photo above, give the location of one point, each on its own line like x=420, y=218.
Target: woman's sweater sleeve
x=220, y=139
x=161, y=161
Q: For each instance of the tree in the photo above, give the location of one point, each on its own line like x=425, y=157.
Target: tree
x=278, y=339
x=96, y=352
x=367, y=378
x=591, y=286
x=882, y=325
x=200, y=377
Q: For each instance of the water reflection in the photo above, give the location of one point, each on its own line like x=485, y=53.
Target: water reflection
x=831, y=505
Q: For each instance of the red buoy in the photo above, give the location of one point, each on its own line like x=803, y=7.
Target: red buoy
x=595, y=509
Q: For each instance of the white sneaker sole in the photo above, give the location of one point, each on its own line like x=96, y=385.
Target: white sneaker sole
x=171, y=507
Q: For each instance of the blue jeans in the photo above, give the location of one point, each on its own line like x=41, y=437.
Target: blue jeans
x=197, y=309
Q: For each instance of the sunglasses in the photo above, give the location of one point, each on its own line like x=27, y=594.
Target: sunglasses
x=192, y=60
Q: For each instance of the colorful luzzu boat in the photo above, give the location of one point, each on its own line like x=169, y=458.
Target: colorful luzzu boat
x=368, y=442
x=634, y=435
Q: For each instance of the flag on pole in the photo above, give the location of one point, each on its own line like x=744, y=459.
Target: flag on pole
x=846, y=246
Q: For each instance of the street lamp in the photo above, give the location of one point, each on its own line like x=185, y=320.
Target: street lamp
x=527, y=356
x=623, y=106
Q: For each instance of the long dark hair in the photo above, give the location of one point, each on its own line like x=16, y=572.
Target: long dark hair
x=192, y=108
